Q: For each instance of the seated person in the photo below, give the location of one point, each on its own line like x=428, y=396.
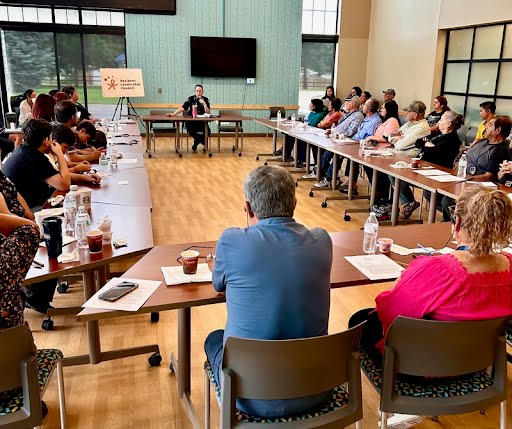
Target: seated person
x=487, y=110
x=26, y=105
x=404, y=141
x=60, y=96
x=315, y=115
x=440, y=106
x=367, y=128
x=471, y=283
x=442, y=150
x=276, y=276
x=195, y=129
x=83, y=113
x=486, y=156
x=333, y=114
x=365, y=96
x=329, y=96
x=66, y=138
x=30, y=170
x=19, y=240
x=347, y=126
x=44, y=107
x=389, y=94
x=65, y=113
x=85, y=132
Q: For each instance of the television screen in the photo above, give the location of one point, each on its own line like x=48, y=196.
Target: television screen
x=137, y=6
x=222, y=57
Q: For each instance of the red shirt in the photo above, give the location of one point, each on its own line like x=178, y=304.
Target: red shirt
x=440, y=288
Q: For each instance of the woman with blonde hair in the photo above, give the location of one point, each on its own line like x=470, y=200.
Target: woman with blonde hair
x=474, y=282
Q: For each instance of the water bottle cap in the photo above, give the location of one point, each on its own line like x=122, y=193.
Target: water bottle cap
x=73, y=188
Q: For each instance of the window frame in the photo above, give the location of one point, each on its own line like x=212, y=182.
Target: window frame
x=471, y=61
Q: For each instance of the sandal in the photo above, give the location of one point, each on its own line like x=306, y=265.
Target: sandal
x=408, y=209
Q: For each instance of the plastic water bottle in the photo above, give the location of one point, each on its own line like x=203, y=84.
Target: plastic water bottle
x=103, y=161
x=463, y=166
x=82, y=226
x=279, y=117
x=371, y=231
x=70, y=212
x=333, y=131
x=294, y=120
x=113, y=156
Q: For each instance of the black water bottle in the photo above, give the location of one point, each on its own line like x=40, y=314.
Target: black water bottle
x=52, y=229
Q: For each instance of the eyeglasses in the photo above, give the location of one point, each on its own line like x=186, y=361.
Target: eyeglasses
x=453, y=217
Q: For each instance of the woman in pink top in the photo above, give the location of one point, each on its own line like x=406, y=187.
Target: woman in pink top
x=472, y=283
x=390, y=123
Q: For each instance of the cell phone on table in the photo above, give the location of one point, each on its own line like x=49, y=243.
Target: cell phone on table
x=119, y=290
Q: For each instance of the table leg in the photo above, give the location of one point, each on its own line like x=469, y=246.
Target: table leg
x=207, y=139
x=182, y=366
x=274, y=141
x=334, y=171
x=295, y=153
x=432, y=209
x=308, y=148
x=373, y=193
x=241, y=139
x=396, y=198
x=318, y=163
x=148, y=137
x=351, y=179
x=236, y=134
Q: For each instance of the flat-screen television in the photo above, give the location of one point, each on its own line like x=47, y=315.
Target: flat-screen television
x=135, y=6
x=222, y=57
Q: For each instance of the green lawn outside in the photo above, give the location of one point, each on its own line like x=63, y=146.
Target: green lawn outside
x=93, y=94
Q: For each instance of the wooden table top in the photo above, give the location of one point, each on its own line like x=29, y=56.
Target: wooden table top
x=343, y=274
x=132, y=224
x=181, y=118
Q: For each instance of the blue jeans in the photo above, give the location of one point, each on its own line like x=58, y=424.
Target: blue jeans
x=213, y=347
x=406, y=194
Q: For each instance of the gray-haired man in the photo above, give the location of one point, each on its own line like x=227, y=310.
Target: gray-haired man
x=276, y=275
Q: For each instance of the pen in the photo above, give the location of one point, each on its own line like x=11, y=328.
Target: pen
x=425, y=249
x=37, y=264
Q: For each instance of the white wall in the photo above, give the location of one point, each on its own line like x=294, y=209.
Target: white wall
x=461, y=13
x=402, y=48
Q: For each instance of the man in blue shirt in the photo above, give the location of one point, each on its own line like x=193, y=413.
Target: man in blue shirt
x=366, y=129
x=276, y=276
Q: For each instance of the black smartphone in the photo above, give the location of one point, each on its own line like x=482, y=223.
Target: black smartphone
x=119, y=290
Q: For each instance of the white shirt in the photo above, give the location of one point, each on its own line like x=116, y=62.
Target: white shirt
x=25, y=112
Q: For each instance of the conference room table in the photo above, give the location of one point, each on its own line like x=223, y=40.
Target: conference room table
x=184, y=297
x=149, y=120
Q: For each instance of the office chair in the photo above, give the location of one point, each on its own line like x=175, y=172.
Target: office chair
x=23, y=365
x=231, y=127
x=284, y=369
x=440, y=368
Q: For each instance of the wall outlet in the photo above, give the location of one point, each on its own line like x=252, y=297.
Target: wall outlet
x=250, y=80
x=159, y=90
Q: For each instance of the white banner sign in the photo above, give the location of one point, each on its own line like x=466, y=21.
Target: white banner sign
x=117, y=83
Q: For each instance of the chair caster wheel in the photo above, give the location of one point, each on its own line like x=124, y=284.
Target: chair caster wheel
x=311, y=194
x=171, y=367
x=149, y=156
x=324, y=205
x=233, y=149
x=257, y=158
x=239, y=153
x=155, y=359
x=180, y=155
x=210, y=155
x=347, y=218
x=266, y=163
x=47, y=325
x=297, y=184
x=155, y=317
x=63, y=287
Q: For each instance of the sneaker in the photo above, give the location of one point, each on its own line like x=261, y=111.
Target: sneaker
x=311, y=175
x=324, y=183
x=382, y=211
x=194, y=147
x=344, y=190
x=408, y=209
x=278, y=152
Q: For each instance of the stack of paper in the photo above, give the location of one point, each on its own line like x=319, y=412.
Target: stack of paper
x=376, y=267
x=175, y=275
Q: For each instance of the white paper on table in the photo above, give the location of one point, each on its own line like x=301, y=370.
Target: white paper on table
x=126, y=121
x=376, y=267
x=175, y=275
x=486, y=184
x=432, y=172
x=127, y=161
x=447, y=178
x=131, y=301
x=400, y=250
x=338, y=141
x=446, y=250
x=423, y=250
x=66, y=239
x=506, y=250
x=122, y=182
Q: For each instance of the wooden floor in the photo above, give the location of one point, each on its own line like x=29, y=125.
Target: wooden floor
x=194, y=198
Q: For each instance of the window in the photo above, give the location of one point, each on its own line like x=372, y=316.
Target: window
x=477, y=68
x=46, y=48
x=319, y=43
